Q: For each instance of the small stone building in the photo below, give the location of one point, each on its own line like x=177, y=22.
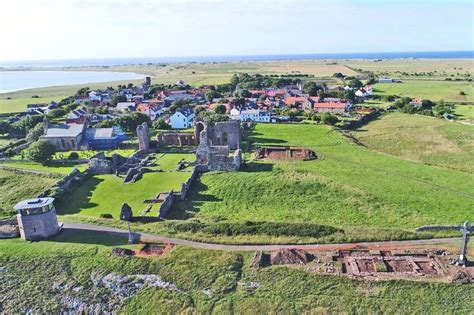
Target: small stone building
x=37, y=219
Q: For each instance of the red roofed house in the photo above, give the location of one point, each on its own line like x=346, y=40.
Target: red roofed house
x=151, y=110
x=275, y=93
x=339, y=107
x=293, y=100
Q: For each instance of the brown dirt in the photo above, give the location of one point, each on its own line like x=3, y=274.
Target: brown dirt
x=288, y=257
x=151, y=250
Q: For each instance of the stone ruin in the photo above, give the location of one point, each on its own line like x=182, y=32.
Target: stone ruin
x=126, y=213
x=284, y=153
x=132, y=168
x=215, y=142
x=175, y=138
x=143, y=134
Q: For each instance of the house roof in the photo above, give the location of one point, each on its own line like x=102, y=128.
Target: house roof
x=293, y=99
x=103, y=133
x=338, y=105
x=33, y=203
x=65, y=130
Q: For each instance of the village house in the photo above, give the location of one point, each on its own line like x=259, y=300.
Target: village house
x=66, y=137
x=126, y=106
x=254, y=115
x=417, y=102
x=151, y=110
x=364, y=92
x=331, y=107
x=77, y=116
x=385, y=80
x=182, y=119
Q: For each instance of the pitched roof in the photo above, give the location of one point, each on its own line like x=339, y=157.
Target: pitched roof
x=339, y=105
x=65, y=130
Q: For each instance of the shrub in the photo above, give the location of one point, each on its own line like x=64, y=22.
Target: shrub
x=161, y=124
x=40, y=151
x=252, y=228
x=106, y=216
x=329, y=119
x=73, y=156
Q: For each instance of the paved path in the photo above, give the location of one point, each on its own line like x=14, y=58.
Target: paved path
x=321, y=247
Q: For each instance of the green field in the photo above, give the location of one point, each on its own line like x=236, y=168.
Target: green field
x=86, y=154
x=348, y=186
x=433, y=90
x=15, y=187
x=69, y=265
x=18, y=104
x=423, y=139
x=106, y=193
x=60, y=169
x=439, y=68
x=465, y=113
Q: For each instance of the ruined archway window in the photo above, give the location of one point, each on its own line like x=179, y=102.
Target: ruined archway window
x=224, y=138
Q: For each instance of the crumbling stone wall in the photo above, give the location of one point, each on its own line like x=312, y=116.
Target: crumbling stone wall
x=143, y=134
x=175, y=138
x=280, y=153
x=210, y=156
x=185, y=187
x=166, y=204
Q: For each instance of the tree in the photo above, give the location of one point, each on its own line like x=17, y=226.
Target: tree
x=83, y=91
x=220, y=109
x=329, y=119
x=40, y=151
x=5, y=127
x=130, y=122
x=26, y=123
x=212, y=94
x=160, y=123
x=338, y=75
x=199, y=109
x=212, y=117
x=118, y=99
x=57, y=112
x=354, y=83
x=130, y=85
x=35, y=133
x=312, y=88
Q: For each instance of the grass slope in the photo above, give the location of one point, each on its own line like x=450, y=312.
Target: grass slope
x=433, y=90
x=74, y=262
x=422, y=139
x=106, y=193
x=348, y=186
x=15, y=187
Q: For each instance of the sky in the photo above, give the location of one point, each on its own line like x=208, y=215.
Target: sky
x=83, y=29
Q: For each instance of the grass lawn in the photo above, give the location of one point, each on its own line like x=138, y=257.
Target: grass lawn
x=169, y=161
x=61, y=169
x=15, y=187
x=423, y=139
x=69, y=265
x=348, y=186
x=18, y=104
x=433, y=90
x=106, y=193
x=465, y=113
x=85, y=154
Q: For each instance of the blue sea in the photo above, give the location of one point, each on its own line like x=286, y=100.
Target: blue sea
x=207, y=59
x=11, y=81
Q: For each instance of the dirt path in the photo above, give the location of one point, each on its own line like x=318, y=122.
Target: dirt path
x=385, y=245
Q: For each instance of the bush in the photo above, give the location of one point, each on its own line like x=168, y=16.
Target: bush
x=106, y=216
x=35, y=133
x=252, y=228
x=160, y=123
x=40, y=151
x=56, y=113
x=73, y=156
x=329, y=119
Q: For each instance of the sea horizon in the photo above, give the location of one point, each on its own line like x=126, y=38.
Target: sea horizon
x=89, y=62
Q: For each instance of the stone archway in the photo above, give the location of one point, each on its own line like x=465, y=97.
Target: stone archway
x=198, y=128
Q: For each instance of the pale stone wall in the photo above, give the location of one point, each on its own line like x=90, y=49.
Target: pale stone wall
x=38, y=226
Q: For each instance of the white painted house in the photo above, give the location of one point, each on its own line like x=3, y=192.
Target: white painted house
x=255, y=115
x=126, y=106
x=95, y=96
x=182, y=119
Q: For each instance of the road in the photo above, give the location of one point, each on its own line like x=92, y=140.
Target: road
x=148, y=238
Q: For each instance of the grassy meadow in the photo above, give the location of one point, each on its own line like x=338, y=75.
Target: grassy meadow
x=349, y=187
x=426, y=89
x=68, y=268
x=465, y=113
x=395, y=67
x=422, y=139
x=60, y=169
x=15, y=187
